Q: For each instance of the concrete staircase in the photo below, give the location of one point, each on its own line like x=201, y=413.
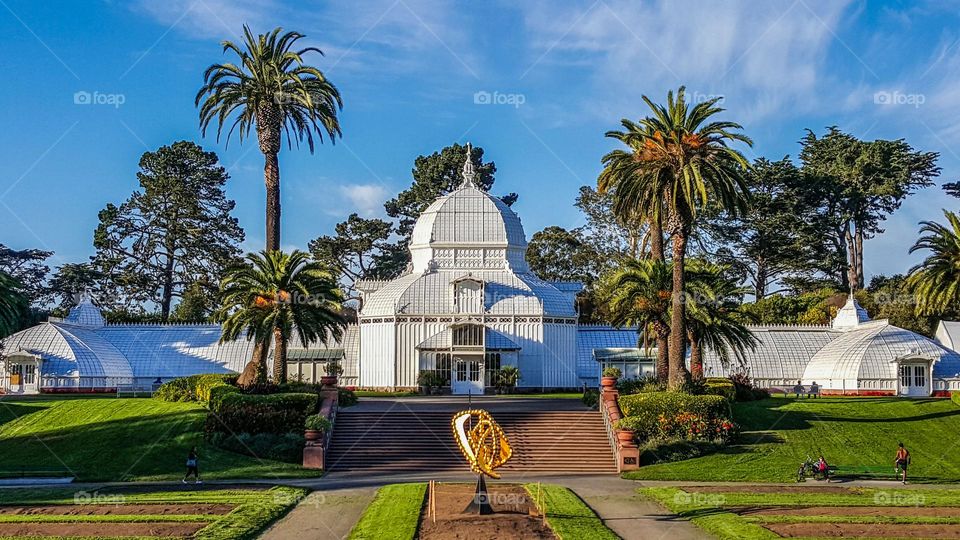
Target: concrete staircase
x=419, y=441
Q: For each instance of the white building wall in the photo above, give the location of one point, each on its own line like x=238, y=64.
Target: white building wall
x=377, y=353
x=560, y=356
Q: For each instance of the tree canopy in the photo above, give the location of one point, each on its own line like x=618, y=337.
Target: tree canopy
x=176, y=230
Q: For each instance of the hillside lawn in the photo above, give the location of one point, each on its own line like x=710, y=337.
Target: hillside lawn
x=117, y=439
x=779, y=433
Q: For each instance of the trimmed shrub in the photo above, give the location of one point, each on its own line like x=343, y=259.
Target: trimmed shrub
x=286, y=447
x=648, y=383
x=317, y=422
x=233, y=412
x=346, y=398
x=654, y=414
x=591, y=397
x=720, y=386
x=955, y=397
x=194, y=387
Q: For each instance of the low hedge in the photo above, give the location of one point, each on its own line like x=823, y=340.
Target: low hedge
x=642, y=411
x=195, y=387
x=720, y=386
x=235, y=412
x=955, y=397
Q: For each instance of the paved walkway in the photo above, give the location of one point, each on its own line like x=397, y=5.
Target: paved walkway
x=340, y=498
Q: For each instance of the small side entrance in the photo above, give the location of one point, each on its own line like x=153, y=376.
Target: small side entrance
x=466, y=375
x=23, y=374
x=914, y=379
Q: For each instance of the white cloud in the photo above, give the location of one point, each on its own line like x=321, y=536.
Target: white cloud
x=368, y=199
x=768, y=57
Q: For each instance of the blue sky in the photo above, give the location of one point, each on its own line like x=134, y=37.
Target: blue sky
x=409, y=72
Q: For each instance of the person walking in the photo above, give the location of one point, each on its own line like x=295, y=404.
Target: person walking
x=193, y=466
x=902, y=460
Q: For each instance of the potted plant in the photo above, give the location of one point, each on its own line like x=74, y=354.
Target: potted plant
x=333, y=370
x=608, y=379
x=507, y=379
x=626, y=435
x=426, y=380
x=314, y=427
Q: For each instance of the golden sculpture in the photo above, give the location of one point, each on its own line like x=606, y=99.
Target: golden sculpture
x=482, y=442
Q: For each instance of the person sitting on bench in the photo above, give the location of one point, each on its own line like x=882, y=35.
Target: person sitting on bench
x=798, y=389
x=821, y=468
x=814, y=390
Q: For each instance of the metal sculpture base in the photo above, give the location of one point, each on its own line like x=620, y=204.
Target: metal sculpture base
x=480, y=504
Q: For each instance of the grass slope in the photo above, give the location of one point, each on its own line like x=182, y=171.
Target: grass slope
x=106, y=438
x=779, y=433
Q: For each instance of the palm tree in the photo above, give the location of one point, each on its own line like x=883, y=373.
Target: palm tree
x=273, y=90
x=712, y=301
x=620, y=169
x=639, y=295
x=12, y=304
x=936, y=281
x=685, y=162
x=274, y=295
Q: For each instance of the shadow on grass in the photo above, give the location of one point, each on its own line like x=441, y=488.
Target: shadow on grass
x=152, y=446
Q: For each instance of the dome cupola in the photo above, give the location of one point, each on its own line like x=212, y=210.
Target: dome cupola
x=470, y=229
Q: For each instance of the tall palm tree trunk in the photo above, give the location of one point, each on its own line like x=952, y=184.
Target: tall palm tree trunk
x=279, y=356
x=662, y=367
x=663, y=343
x=255, y=372
x=678, y=328
x=271, y=177
x=269, y=125
x=696, y=357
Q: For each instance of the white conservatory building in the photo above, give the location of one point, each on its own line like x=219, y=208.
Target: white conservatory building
x=467, y=305
x=851, y=356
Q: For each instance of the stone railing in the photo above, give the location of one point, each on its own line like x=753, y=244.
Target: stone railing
x=314, y=452
x=624, y=447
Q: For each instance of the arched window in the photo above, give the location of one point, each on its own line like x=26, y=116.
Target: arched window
x=468, y=296
x=468, y=335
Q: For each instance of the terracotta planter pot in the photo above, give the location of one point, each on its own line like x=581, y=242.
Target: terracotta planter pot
x=625, y=435
x=328, y=380
x=312, y=435
x=608, y=382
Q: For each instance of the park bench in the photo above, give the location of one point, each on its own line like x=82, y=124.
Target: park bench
x=808, y=390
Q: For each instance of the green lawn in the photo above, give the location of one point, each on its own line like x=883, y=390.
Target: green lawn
x=394, y=514
x=254, y=510
x=568, y=515
x=779, y=433
x=126, y=439
x=714, y=512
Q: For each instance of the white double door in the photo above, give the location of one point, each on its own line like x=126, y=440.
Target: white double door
x=914, y=380
x=466, y=375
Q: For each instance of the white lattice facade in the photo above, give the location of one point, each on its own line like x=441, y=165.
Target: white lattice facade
x=853, y=355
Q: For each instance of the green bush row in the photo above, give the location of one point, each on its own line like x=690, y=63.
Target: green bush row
x=194, y=387
x=642, y=412
x=955, y=397
x=720, y=386
x=235, y=412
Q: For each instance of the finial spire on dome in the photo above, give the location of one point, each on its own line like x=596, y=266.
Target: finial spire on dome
x=469, y=173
